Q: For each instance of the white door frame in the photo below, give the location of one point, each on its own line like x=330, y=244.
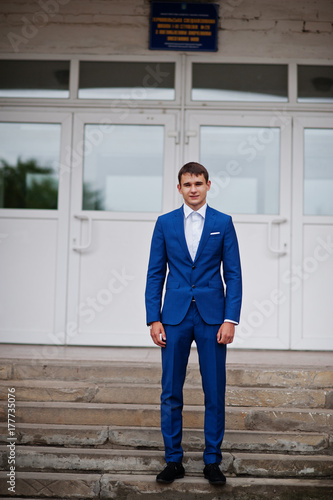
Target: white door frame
x=303, y=266
x=57, y=334
x=79, y=217
x=194, y=119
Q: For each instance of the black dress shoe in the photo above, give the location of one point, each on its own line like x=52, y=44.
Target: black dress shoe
x=214, y=475
x=172, y=471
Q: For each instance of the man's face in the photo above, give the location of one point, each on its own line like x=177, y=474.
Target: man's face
x=194, y=189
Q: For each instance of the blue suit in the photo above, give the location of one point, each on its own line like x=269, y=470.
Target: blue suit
x=185, y=319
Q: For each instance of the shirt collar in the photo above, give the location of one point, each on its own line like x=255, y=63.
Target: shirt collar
x=201, y=211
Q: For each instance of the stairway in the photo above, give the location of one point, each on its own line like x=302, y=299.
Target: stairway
x=90, y=429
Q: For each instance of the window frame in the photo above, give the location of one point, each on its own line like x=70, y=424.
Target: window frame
x=292, y=104
x=74, y=100
x=183, y=82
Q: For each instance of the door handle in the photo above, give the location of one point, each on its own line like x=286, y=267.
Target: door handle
x=78, y=248
x=176, y=135
x=188, y=134
x=278, y=251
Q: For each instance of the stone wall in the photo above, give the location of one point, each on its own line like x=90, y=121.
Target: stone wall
x=292, y=29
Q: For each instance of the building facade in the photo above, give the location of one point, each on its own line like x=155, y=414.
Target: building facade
x=94, y=127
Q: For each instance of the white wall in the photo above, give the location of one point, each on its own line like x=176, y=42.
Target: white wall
x=293, y=29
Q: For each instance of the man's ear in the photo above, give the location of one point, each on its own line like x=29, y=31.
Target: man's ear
x=179, y=188
x=208, y=184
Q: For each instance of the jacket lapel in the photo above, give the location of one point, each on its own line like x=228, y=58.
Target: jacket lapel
x=207, y=229
x=179, y=227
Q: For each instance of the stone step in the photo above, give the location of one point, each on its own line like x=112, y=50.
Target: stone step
x=151, y=438
x=74, y=391
x=150, y=373
x=52, y=485
x=265, y=419
x=150, y=462
x=254, y=441
x=33, y=485
x=61, y=435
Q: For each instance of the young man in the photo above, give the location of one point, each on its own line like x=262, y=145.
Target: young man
x=192, y=242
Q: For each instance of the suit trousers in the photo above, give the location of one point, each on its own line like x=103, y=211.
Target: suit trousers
x=212, y=358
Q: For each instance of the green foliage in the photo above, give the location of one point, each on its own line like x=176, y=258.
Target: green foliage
x=92, y=199
x=27, y=185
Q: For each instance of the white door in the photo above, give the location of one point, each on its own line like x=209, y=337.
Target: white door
x=311, y=275
x=123, y=177
x=249, y=161
x=34, y=204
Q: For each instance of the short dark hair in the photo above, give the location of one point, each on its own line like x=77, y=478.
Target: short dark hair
x=193, y=168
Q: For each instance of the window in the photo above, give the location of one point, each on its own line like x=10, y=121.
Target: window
x=315, y=83
x=240, y=82
x=127, y=80
x=48, y=79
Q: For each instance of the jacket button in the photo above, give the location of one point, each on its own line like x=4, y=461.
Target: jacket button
x=193, y=267
x=193, y=286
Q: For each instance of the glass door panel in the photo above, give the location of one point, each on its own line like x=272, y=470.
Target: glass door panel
x=29, y=153
x=245, y=178
x=318, y=171
x=124, y=172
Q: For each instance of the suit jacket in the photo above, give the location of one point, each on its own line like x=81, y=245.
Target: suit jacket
x=200, y=279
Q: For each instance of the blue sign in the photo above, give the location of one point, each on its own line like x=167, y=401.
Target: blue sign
x=183, y=26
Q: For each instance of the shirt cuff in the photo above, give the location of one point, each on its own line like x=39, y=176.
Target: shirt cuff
x=230, y=321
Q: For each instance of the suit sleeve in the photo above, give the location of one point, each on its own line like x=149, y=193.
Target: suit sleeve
x=156, y=274
x=232, y=274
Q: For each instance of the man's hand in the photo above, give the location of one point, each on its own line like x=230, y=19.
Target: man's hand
x=157, y=333
x=226, y=333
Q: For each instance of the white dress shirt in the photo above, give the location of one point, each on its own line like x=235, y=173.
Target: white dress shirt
x=193, y=226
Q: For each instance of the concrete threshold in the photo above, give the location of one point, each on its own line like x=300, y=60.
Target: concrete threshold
x=152, y=355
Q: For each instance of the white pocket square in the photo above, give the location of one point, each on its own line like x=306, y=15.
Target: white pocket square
x=215, y=233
